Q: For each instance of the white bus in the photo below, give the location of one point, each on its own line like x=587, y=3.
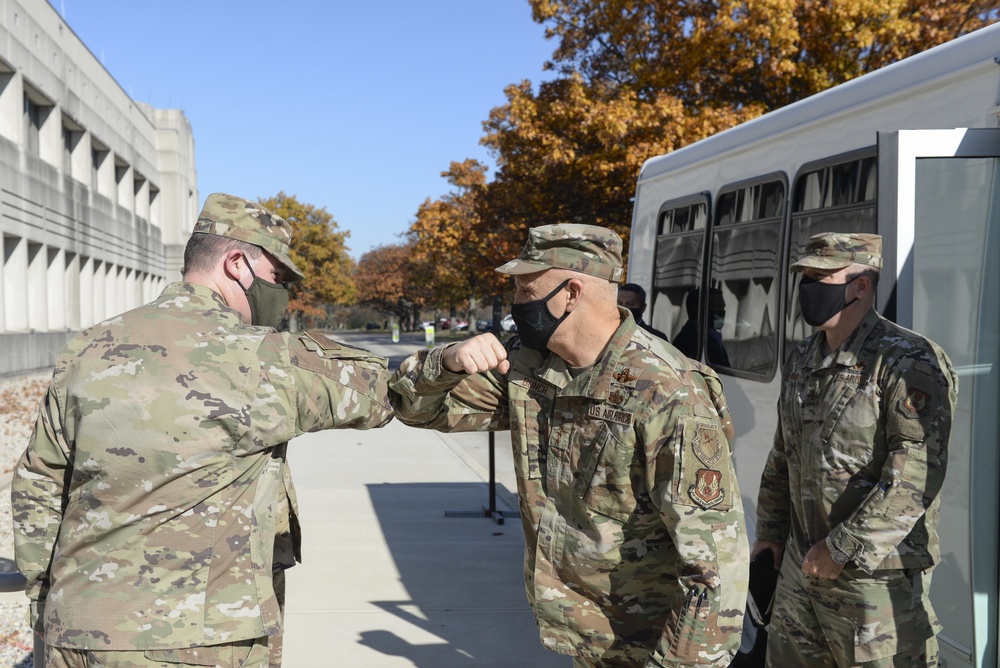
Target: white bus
x=911, y=152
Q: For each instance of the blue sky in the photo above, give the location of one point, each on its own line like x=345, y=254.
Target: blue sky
x=353, y=106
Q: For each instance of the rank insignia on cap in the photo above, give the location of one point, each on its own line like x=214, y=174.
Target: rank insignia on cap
x=707, y=491
x=914, y=404
x=707, y=445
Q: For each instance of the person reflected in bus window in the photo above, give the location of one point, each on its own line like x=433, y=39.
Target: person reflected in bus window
x=633, y=298
x=687, y=339
x=849, y=495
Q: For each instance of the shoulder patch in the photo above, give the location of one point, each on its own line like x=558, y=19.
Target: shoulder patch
x=704, y=476
x=914, y=404
x=707, y=445
x=707, y=489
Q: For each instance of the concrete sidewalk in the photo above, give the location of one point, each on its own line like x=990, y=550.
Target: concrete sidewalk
x=389, y=580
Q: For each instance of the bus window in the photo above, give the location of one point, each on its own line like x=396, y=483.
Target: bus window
x=680, y=249
x=846, y=186
x=742, y=302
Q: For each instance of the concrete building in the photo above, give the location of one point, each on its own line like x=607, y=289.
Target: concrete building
x=98, y=192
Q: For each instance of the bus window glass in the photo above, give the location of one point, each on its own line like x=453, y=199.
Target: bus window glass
x=809, y=192
x=666, y=223
x=866, y=191
x=771, y=200
x=681, y=220
x=725, y=209
x=678, y=261
x=844, y=184
x=848, y=217
x=699, y=216
x=740, y=330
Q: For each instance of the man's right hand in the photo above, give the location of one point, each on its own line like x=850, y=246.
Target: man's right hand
x=776, y=549
x=475, y=355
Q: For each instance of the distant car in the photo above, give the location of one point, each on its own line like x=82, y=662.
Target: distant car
x=444, y=323
x=484, y=325
x=507, y=324
x=461, y=326
x=373, y=325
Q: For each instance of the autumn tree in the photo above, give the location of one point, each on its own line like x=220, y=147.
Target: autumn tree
x=638, y=78
x=319, y=250
x=389, y=281
x=450, y=244
x=571, y=153
x=738, y=52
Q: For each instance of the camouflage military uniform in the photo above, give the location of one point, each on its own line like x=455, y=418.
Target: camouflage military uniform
x=859, y=456
x=635, y=542
x=145, y=504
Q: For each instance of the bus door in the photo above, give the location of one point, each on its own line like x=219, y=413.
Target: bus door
x=942, y=189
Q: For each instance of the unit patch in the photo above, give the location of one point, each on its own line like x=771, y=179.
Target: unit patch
x=707, y=444
x=610, y=414
x=616, y=398
x=707, y=491
x=914, y=404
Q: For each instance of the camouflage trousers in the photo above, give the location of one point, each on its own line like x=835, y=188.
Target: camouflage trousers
x=245, y=654
x=884, y=620
x=275, y=643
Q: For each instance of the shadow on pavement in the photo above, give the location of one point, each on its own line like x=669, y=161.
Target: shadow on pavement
x=464, y=578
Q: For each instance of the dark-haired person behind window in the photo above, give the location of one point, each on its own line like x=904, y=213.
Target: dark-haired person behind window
x=686, y=340
x=633, y=297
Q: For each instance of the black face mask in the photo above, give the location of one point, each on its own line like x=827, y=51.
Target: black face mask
x=535, y=324
x=822, y=301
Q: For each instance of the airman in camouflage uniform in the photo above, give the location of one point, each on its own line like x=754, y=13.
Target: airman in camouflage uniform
x=850, y=490
x=147, y=502
x=636, y=552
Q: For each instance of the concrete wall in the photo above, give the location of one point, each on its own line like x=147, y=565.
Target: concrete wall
x=98, y=192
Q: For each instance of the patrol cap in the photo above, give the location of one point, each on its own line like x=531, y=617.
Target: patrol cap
x=245, y=220
x=588, y=249
x=830, y=250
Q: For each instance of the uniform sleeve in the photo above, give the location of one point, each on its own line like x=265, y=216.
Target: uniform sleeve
x=326, y=384
x=693, y=484
x=428, y=395
x=773, y=500
x=37, y=497
x=918, y=406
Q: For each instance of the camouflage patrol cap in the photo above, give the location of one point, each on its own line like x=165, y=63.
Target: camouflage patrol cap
x=829, y=250
x=245, y=220
x=588, y=249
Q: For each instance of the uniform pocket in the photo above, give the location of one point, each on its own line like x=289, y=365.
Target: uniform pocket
x=604, y=479
x=894, y=617
x=527, y=419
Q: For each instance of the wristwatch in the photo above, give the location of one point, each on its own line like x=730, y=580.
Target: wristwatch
x=838, y=556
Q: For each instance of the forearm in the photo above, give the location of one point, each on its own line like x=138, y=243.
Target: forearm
x=891, y=510
x=427, y=395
